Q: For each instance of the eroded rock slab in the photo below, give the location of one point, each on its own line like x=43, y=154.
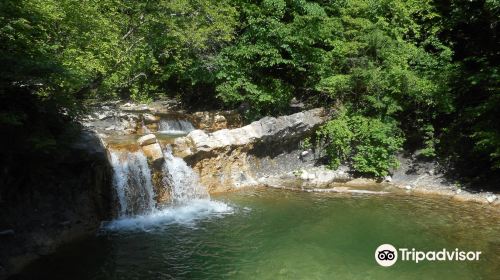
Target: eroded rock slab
x=265, y=130
x=226, y=159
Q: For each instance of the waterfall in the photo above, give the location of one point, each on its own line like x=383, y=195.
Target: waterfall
x=190, y=201
x=175, y=127
x=182, y=179
x=132, y=181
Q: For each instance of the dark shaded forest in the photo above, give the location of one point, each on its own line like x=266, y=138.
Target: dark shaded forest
x=400, y=75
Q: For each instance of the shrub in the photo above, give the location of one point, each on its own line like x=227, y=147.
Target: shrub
x=367, y=144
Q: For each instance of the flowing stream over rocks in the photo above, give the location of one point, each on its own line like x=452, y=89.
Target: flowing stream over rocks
x=135, y=191
x=165, y=166
x=132, y=181
x=183, y=180
x=175, y=127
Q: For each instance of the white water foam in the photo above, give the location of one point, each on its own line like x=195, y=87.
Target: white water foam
x=132, y=181
x=190, y=201
x=175, y=127
x=184, y=182
x=186, y=214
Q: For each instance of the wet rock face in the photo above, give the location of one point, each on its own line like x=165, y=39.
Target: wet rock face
x=228, y=158
x=152, y=149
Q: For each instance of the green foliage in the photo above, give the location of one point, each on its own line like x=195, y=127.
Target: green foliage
x=278, y=54
x=369, y=145
x=306, y=143
x=471, y=138
x=425, y=72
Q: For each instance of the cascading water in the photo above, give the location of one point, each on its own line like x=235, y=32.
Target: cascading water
x=132, y=180
x=190, y=201
x=182, y=179
x=175, y=127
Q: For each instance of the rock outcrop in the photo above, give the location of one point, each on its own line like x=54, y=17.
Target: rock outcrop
x=54, y=201
x=265, y=130
x=211, y=121
x=147, y=140
x=151, y=149
x=115, y=118
x=227, y=158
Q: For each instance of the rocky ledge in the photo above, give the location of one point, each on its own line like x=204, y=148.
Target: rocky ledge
x=200, y=144
x=268, y=153
x=232, y=158
x=110, y=119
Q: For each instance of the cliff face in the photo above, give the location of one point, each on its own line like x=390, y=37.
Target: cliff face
x=232, y=158
x=51, y=203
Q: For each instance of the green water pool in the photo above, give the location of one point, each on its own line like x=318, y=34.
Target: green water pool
x=277, y=234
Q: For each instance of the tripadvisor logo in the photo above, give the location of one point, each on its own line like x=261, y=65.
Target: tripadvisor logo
x=387, y=255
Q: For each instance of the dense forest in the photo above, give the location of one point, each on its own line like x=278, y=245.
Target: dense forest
x=413, y=75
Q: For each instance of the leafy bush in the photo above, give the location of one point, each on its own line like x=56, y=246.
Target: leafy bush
x=368, y=144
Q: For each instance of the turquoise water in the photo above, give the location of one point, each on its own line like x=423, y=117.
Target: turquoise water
x=277, y=234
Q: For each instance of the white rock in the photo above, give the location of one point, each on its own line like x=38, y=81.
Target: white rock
x=459, y=191
x=154, y=153
x=388, y=179
x=304, y=175
x=491, y=198
x=102, y=116
x=304, y=153
x=265, y=130
x=147, y=140
x=110, y=128
x=408, y=187
x=150, y=118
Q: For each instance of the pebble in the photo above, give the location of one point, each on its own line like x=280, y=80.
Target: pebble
x=491, y=198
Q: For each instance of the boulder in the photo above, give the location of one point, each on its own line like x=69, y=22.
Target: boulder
x=221, y=158
x=150, y=118
x=265, y=130
x=154, y=153
x=147, y=140
x=491, y=198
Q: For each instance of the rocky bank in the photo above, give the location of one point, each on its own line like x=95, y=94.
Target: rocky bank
x=40, y=214
x=46, y=207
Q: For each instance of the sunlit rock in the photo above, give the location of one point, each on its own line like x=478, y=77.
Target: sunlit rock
x=491, y=198
x=265, y=130
x=221, y=157
x=154, y=153
x=147, y=140
x=150, y=118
